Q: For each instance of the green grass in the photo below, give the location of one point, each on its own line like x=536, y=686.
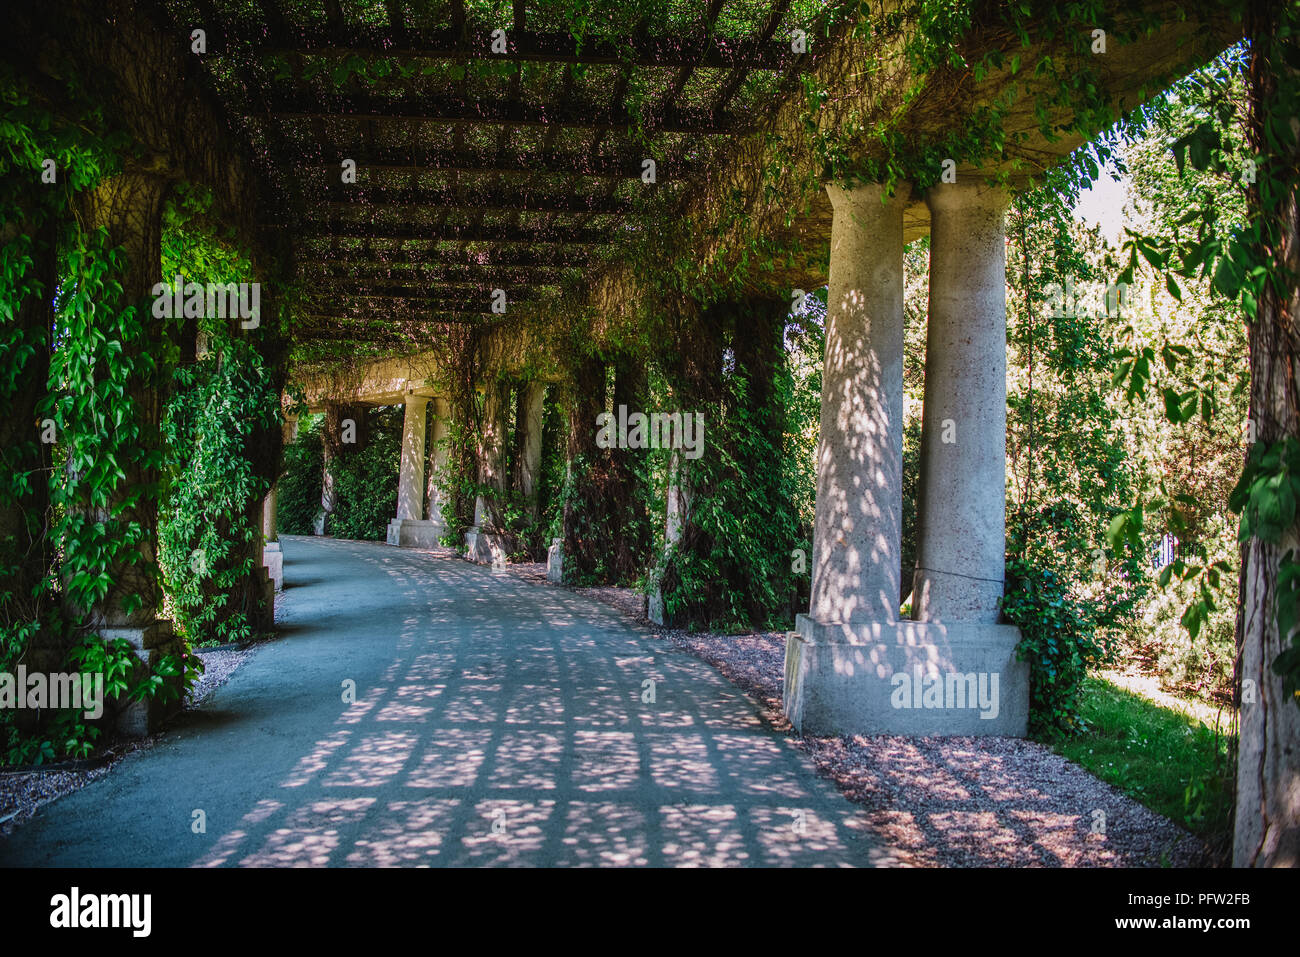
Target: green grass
x=1167, y=760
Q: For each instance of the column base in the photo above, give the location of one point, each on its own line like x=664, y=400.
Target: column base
x=273, y=562
x=415, y=533
x=905, y=677
x=139, y=719
x=555, y=561
x=265, y=620
x=654, y=605
x=486, y=548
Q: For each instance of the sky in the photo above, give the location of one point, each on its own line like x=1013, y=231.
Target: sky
x=1103, y=205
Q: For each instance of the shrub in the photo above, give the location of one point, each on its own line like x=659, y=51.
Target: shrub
x=1060, y=641
x=365, y=482
x=298, y=501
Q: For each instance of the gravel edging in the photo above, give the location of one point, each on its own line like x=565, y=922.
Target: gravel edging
x=23, y=793
x=946, y=801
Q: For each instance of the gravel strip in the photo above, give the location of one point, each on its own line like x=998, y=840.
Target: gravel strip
x=22, y=793
x=951, y=801
x=963, y=801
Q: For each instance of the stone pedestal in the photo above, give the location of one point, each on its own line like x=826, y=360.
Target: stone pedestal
x=555, y=561
x=415, y=533
x=905, y=677
x=273, y=562
x=485, y=548
x=150, y=643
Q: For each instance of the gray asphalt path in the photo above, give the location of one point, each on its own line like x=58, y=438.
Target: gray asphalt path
x=496, y=722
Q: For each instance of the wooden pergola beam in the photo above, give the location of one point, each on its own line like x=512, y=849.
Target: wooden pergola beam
x=450, y=111
x=417, y=296
x=469, y=276
x=495, y=259
x=561, y=236
x=495, y=200
x=426, y=160
x=526, y=46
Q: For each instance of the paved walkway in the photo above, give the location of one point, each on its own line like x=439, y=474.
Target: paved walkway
x=496, y=722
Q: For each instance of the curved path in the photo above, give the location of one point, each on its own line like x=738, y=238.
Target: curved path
x=496, y=722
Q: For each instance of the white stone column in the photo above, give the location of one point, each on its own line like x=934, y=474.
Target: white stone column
x=677, y=504
x=409, y=527
x=438, y=454
x=269, y=516
x=272, y=557
x=853, y=667
x=859, y=517
x=410, y=486
x=961, y=505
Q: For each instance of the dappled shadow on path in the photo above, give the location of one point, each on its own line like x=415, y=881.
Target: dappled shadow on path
x=515, y=725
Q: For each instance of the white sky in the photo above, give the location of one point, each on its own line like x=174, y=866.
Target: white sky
x=1103, y=205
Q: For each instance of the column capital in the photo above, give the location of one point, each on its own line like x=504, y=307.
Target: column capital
x=865, y=193
x=969, y=193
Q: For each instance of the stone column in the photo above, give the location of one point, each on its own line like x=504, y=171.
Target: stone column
x=531, y=399
x=858, y=525
x=410, y=484
x=489, y=548
x=677, y=506
x=129, y=206
x=409, y=527
x=853, y=667
x=961, y=505
x=330, y=446
x=272, y=557
x=269, y=507
x=438, y=455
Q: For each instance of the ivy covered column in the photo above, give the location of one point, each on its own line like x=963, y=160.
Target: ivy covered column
x=111, y=424
x=484, y=542
x=528, y=440
x=25, y=442
x=581, y=554
x=410, y=528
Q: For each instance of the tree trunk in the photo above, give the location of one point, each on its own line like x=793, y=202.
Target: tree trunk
x=1267, y=832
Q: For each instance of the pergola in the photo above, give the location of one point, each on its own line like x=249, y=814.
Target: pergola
x=529, y=171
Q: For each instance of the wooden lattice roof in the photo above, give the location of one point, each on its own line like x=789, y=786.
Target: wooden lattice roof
x=480, y=170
